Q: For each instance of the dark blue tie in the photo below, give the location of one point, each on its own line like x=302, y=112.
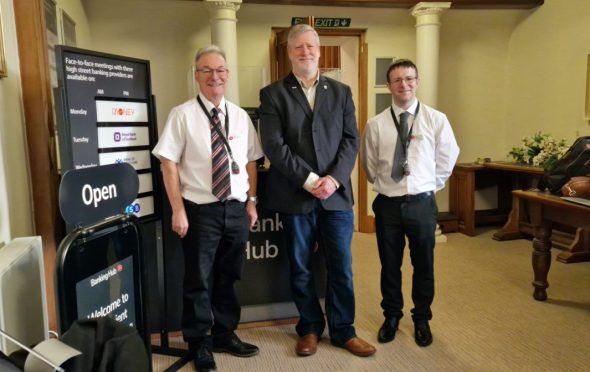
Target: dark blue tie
x=399, y=156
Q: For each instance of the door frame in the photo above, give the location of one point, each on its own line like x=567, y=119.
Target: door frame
x=40, y=134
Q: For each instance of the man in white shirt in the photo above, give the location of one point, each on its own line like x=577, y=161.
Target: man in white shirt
x=208, y=151
x=408, y=152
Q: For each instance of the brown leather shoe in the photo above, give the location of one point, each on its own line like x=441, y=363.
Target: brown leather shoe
x=359, y=347
x=307, y=345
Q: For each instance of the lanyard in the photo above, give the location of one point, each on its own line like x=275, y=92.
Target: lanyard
x=234, y=166
x=405, y=142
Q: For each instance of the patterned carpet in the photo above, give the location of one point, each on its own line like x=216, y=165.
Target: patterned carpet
x=485, y=318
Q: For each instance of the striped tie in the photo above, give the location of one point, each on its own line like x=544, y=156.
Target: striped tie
x=220, y=186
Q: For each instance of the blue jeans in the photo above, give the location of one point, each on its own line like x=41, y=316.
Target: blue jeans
x=332, y=230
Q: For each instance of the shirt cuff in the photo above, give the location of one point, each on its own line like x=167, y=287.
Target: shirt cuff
x=334, y=180
x=310, y=182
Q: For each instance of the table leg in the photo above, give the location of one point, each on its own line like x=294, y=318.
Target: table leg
x=578, y=251
x=511, y=230
x=541, y=253
x=462, y=200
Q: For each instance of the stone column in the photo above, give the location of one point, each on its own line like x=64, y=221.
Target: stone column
x=222, y=16
x=427, y=47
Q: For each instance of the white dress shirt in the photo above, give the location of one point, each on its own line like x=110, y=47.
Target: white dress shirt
x=186, y=140
x=310, y=91
x=432, y=152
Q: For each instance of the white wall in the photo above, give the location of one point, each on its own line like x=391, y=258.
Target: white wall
x=15, y=200
x=547, y=68
x=474, y=78
x=77, y=12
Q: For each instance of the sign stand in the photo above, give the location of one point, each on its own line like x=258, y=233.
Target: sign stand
x=100, y=266
x=164, y=347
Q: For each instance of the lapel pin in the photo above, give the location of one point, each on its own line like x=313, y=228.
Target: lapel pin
x=325, y=87
x=294, y=87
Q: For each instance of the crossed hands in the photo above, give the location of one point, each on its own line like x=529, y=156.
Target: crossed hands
x=323, y=188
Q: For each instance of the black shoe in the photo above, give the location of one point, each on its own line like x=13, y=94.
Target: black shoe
x=387, y=330
x=233, y=345
x=422, y=333
x=204, y=361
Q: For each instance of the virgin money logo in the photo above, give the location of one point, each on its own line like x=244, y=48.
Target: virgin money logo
x=120, y=111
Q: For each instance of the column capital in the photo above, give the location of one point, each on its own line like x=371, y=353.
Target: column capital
x=223, y=4
x=430, y=8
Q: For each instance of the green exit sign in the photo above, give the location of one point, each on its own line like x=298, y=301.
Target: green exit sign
x=323, y=22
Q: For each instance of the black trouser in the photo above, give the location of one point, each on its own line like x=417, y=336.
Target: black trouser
x=214, y=249
x=413, y=216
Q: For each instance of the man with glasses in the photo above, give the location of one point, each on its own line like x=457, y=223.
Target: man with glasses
x=208, y=151
x=408, y=152
x=308, y=132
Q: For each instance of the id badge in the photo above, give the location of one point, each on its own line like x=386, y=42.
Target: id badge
x=406, y=168
x=235, y=169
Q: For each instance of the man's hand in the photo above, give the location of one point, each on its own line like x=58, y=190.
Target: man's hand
x=180, y=223
x=323, y=188
x=252, y=213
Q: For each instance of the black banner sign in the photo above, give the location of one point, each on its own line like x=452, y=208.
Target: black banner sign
x=92, y=194
x=105, y=116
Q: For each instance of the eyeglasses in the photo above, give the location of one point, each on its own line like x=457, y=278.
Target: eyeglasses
x=222, y=71
x=409, y=80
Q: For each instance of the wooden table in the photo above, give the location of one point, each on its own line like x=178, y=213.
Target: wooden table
x=468, y=177
x=575, y=242
x=546, y=210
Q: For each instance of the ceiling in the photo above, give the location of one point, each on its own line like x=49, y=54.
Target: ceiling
x=455, y=4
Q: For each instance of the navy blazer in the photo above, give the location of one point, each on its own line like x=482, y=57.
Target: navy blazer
x=297, y=141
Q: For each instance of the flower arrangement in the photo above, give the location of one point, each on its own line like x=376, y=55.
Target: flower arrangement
x=539, y=149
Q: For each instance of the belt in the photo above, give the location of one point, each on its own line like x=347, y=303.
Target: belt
x=410, y=198
x=225, y=202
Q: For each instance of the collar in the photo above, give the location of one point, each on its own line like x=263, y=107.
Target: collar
x=315, y=82
x=412, y=109
x=209, y=105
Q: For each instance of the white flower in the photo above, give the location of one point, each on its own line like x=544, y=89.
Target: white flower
x=539, y=149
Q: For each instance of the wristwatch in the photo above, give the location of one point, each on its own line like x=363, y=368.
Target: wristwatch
x=253, y=199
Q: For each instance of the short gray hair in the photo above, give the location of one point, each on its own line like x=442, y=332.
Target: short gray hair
x=299, y=29
x=208, y=50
